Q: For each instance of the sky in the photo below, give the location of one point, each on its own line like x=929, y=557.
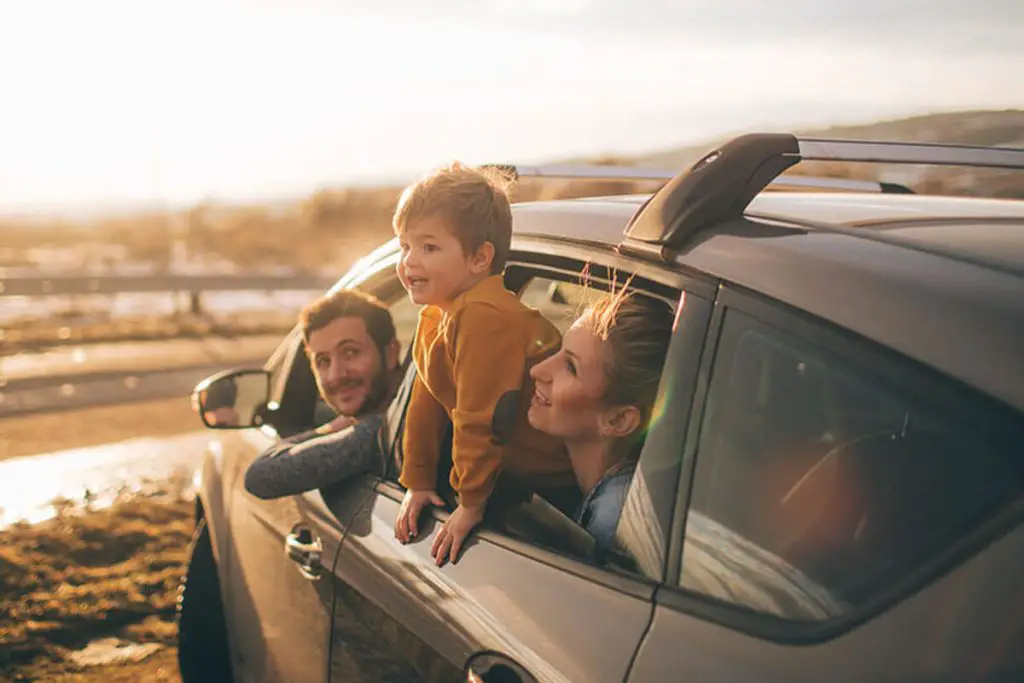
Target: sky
x=108, y=102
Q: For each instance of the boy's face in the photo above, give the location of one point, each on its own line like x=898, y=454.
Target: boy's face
x=434, y=268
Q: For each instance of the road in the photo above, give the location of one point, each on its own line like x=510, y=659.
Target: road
x=104, y=374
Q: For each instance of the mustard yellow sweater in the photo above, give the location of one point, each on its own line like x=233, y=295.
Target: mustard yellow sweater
x=466, y=358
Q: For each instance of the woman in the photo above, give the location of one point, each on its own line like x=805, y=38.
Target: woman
x=597, y=393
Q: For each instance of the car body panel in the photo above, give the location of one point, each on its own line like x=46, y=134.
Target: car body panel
x=848, y=208
x=994, y=244
x=268, y=599
x=966, y=626
x=494, y=600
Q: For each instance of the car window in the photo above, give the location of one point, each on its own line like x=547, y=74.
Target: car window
x=542, y=521
x=547, y=521
x=558, y=301
x=405, y=313
x=821, y=483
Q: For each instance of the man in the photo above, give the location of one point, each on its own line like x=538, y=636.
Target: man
x=350, y=341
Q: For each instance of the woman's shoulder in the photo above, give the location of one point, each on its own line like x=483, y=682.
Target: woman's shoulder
x=602, y=509
x=613, y=487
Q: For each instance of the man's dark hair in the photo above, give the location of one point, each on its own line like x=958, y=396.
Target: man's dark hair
x=349, y=303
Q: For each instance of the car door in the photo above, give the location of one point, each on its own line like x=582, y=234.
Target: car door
x=283, y=550
x=511, y=609
x=279, y=607
x=849, y=516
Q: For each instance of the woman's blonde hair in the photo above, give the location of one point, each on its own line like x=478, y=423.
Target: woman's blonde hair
x=638, y=330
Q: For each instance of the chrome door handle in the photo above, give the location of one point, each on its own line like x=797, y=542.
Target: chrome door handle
x=304, y=549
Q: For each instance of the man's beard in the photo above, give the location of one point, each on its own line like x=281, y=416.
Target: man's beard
x=379, y=388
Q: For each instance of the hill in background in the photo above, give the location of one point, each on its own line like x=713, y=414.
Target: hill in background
x=330, y=229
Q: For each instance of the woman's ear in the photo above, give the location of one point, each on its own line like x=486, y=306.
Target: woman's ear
x=480, y=262
x=620, y=421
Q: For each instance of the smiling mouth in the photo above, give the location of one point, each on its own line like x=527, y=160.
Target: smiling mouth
x=348, y=388
x=417, y=281
x=538, y=399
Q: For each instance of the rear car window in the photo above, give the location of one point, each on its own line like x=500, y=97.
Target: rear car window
x=820, y=483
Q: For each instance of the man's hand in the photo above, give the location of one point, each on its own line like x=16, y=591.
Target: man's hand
x=336, y=425
x=453, y=533
x=407, y=524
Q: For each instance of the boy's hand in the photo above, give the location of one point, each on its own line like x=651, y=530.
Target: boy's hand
x=453, y=533
x=337, y=424
x=407, y=524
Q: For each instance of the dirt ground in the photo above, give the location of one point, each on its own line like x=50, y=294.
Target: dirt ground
x=71, y=582
x=80, y=578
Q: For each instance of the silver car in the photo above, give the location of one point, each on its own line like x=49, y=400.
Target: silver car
x=832, y=491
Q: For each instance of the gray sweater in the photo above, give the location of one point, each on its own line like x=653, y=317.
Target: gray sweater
x=310, y=461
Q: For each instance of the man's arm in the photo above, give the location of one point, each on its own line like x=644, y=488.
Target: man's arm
x=302, y=464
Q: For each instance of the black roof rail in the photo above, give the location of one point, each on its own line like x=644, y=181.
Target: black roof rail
x=723, y=182
x=609, y=172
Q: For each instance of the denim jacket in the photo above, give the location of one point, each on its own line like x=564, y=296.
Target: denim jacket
x=601, y=508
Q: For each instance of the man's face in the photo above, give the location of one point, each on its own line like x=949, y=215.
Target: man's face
x=347, y=365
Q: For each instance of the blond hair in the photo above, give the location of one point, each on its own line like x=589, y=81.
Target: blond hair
x=472, y=201
x=638, y=330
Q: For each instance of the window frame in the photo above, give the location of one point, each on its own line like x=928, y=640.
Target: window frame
x=925, y=383
x=560, y=260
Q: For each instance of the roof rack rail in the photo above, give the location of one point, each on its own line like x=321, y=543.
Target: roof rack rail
x=607, y=172
x=723, y=182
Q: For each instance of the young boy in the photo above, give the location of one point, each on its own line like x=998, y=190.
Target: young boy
x=474, y=344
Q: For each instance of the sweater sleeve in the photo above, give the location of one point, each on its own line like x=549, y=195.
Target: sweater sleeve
x=294, y=466
x=488, y=363
x=425, y=424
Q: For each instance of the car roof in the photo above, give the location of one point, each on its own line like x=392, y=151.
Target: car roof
x=938, y=279
x=989, y=232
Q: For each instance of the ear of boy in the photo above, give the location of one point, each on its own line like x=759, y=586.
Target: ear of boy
x=480, y=261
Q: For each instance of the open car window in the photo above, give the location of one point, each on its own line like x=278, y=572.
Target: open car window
x=523, y=515
x=559, y=301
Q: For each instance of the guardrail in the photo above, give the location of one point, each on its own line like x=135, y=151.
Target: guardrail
x=49, y=285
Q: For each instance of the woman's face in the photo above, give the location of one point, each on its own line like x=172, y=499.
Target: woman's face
x=568, y=387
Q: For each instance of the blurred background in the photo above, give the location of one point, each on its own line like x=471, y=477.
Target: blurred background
x=271, y=138
x=177, y=178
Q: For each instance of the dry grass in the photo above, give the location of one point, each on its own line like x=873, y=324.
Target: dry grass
x=80, y=577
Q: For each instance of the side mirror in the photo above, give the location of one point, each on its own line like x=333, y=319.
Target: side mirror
x=233, y=399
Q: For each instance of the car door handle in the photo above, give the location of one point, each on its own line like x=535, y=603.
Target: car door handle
x=304, y=549
x=491, y=667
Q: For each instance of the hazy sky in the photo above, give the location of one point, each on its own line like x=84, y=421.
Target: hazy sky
x=125, y=100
